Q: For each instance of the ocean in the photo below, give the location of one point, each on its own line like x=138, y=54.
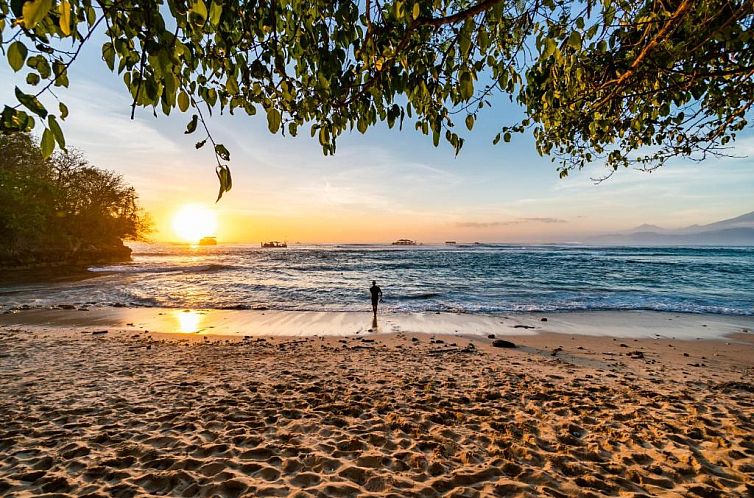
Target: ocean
x=465, y=279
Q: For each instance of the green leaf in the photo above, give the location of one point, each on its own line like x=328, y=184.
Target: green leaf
x=574, y=40
x=32, y=79
x=467, y=86
x=34, y=11
x=31, y=103
x=221, y=151
x=416, y=11
x=215, y=11
x=63, y=110
x=183, y=101
x=470, y=121
x=56, y=131
x=549, y=48
x=191, y=127
x=47, y=145
x=64, y=17
x=61, y=73
x=507, y=136
x=199, y=10
x=226, y=183
x=273, y=120
x=17, y=55
x=201, y=143
x=108, y=53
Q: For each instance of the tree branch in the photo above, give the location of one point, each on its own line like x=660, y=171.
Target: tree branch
x=459, y=16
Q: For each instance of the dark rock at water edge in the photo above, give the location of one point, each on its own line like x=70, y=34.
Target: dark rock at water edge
x=60, y=260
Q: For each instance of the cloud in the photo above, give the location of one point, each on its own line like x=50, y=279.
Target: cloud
x=492, y=224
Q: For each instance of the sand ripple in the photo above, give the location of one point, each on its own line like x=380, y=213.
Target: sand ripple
x=124, y=415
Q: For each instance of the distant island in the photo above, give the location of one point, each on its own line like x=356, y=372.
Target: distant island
x=62, y=211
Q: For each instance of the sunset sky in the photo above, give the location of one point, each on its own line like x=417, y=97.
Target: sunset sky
x=383, y=185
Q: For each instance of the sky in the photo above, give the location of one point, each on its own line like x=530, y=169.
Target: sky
x=381, y=186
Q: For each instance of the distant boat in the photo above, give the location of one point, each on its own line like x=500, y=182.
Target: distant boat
x=450, y=242
x=273, y=244
x=208, y=241
x=404, y=242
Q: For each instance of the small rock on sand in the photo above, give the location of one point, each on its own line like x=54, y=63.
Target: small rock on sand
x=500, y=343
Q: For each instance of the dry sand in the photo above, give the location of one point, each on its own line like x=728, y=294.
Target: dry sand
x=129, y=413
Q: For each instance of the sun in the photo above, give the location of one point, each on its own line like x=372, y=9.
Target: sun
x=194, y=221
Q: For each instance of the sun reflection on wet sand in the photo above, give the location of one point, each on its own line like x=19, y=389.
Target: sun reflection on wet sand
x=188, y=321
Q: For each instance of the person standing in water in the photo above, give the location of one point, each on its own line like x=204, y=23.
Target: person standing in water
x=376, y=296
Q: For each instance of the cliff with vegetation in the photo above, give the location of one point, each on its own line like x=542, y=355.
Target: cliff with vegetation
x=62, y=211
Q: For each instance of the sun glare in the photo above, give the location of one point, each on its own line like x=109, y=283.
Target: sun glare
x=193, y=222
x=188, y=321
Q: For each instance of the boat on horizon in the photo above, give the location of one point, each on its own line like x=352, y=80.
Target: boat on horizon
x=404, y=242
x=273, y=244
x=208, y=241
x=450, y=242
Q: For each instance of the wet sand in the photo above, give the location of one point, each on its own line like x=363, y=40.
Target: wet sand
x=131, y=413
x=627, y=324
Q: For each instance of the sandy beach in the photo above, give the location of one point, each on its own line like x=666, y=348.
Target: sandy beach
x=130, y=413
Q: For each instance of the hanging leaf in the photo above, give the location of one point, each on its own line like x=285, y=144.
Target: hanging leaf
x=108, y=53
x=221, y=151
x=201, y=143
x=223, y=174
x=191, y=128
x=574, y=40
x=199, y=12
x=61, y=73
x=183, y=101
x=215, y=11
x=31, y=103
x=17, y=55
x=56, y=131
x=273, y=120
x=47, y=145
x=64, y=19
x=34, y=11
x=63, y=110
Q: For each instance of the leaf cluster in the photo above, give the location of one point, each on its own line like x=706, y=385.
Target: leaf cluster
x=619, y=81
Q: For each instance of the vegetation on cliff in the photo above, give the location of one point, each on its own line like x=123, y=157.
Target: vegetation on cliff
x=62, y=210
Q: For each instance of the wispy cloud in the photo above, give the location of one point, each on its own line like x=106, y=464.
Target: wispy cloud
x=518, y=221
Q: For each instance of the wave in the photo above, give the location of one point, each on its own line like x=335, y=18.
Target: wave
x=206, y=268
x=425, y=295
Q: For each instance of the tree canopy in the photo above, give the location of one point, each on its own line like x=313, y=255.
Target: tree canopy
x=62, y=209
x=616, y=81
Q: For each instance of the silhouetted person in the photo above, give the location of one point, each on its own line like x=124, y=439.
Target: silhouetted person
x=376, y=296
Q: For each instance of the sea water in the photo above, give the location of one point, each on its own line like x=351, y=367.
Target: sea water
x=460, y=278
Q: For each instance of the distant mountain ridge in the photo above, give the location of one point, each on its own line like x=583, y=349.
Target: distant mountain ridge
x=738, y=231
x=743, y=221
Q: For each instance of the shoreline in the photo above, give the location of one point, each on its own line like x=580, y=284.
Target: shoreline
x=619, y=324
